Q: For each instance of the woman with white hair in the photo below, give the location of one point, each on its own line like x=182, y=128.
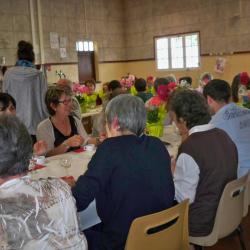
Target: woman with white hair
x=34, y=214
x=129, y=175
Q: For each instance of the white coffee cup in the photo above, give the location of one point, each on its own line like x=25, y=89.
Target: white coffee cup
x=89, y=147
x=40, y=160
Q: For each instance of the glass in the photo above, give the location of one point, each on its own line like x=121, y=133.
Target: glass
x=66, y=101
x=65, y=162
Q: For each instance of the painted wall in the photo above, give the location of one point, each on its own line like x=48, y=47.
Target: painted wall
x=234, y=64
x=70, y=71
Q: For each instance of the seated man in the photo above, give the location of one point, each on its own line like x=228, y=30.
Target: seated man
x=129, y=175
x=140, y=86
x=206, y=160
x=34, y=214
x=233, y=119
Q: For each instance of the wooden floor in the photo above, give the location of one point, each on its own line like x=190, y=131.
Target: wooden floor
x=232, y=242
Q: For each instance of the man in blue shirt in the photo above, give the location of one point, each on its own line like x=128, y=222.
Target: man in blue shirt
x=233, y=119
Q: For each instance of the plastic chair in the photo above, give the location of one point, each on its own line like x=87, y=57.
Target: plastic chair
x=248, y=189
x=246, y=207
x=166, y=230
x=231, y=209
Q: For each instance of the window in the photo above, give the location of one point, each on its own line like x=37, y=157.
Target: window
x=178, y=51
x=84, y=46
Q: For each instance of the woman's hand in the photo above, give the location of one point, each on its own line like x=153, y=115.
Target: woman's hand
x=40, y=148
x=74, y=141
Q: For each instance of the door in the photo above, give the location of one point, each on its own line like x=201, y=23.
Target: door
x=86, y=66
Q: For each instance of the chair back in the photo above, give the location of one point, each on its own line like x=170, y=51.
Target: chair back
x=165, y=230
x=248, y=191
x=231, y=207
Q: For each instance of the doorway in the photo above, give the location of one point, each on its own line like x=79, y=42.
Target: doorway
x=86, y=66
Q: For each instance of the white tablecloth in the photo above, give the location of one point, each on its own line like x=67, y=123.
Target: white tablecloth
x=92, y=112
x=79, y=162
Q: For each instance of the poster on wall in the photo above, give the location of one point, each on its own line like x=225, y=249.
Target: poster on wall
x=54, y=40
x=63, y=42
x=63, y=52
x=220, y=65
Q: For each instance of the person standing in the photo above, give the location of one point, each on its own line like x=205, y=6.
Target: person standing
x=27, y=86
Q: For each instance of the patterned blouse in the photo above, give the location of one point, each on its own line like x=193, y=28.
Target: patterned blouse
x=38, y=214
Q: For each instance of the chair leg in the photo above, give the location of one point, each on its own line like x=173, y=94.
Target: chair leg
x=239, y=231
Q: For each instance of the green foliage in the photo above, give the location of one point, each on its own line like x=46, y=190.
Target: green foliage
x=246, y=104
x=153, y=116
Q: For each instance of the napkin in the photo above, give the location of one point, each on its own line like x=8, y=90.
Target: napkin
x=79, y=150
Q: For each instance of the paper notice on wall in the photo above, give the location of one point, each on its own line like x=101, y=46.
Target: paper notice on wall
x=63, y=42
x=54, y=40
x=63, y=52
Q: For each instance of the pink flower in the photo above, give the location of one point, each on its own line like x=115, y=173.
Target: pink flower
x=80, y=89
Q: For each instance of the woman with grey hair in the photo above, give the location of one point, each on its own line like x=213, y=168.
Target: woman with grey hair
x=34, y=214
x=206, y=161
x=129, y=175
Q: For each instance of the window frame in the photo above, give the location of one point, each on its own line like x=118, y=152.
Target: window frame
x=169, y=36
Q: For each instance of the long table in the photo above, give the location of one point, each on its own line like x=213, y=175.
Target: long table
x=79, y=163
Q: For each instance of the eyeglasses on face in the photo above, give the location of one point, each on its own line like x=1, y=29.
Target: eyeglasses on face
x=66, y=101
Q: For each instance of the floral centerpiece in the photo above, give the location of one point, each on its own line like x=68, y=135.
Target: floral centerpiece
x=81, y=92
x=244, y=89
x=156, y=111
x=127, y=82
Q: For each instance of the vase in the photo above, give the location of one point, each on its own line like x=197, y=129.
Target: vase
x=83, y=107
x=155, y=129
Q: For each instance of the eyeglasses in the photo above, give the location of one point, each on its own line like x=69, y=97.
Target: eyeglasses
x=66, y=101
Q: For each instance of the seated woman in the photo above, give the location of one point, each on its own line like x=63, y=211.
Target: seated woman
x=129, y=175
x=240, y=84
x=204, y=79
x=61, y=131
x=207, y=160
x=8, y=106
x=141, y=88
x=76, y=109
x=34, y=214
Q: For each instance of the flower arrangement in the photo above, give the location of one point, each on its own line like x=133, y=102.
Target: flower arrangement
x=80, y=91
x=245, y=80
x=153, y=110
x=156, y=112
x=127, y=81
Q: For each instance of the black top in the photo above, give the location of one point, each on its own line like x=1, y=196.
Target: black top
x=60, y=138
x=129, y=177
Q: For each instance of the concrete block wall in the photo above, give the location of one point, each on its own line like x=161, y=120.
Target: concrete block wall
x=223, y=24
x=124, y=29
x=99, y=20
x=14, y=26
